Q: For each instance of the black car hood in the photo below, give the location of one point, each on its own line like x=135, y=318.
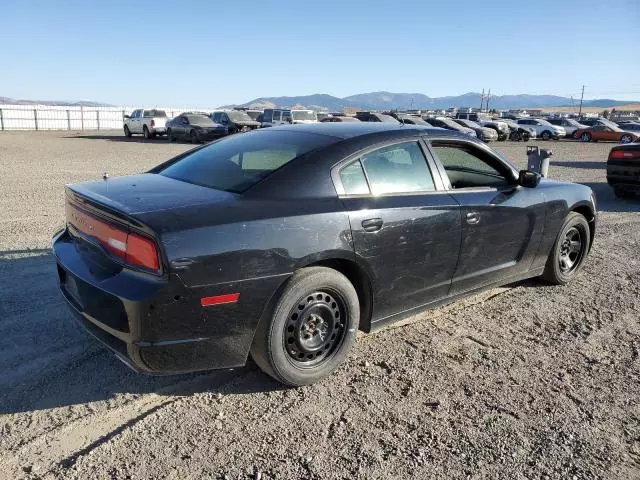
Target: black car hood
x=148, y=192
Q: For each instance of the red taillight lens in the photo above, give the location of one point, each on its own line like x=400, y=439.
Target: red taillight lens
x=131, y=248
x=152, y=123
x=625, y=154
x=142, y=252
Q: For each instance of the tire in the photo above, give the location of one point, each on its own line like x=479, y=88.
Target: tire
x=145, y=132
x=566, y=257
x=127, y=132
x=170, y=136
x=626, y=138
x=546, y=135
x=585, y=137
x=289, y=345
x=193, y=136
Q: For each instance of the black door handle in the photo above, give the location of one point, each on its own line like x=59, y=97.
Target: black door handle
x=372, y=224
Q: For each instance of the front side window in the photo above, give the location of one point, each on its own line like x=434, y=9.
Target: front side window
x=217, y=117
x=467, y=167
x=400, y=168
x=276, y=116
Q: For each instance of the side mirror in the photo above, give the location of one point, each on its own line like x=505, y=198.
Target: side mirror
x=127, y=116
x=529, y=179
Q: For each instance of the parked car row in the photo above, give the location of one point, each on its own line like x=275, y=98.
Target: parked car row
x=205, y=126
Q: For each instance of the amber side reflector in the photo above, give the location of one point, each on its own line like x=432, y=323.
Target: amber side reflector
x=219, y=299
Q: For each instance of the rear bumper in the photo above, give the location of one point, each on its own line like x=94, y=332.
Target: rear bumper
x=157, y=325
x=623, y=173
x=158, y=130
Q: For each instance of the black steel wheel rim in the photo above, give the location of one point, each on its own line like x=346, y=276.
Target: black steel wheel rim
x=571, y=250
x=315, y=328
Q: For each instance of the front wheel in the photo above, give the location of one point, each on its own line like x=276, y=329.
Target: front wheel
x=311, y=330
x=569, y=250
x=546, y=135
x=194, y=137
x=586, y=137
x=127, y=132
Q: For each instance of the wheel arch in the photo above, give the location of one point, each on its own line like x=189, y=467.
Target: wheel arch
x=586, y=210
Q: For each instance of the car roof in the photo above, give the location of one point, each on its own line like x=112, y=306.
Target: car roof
x=346, y=130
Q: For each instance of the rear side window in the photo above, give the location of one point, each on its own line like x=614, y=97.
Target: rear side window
x=155, y=113
x=237, y=162
x=400, y=168
x=353, y=179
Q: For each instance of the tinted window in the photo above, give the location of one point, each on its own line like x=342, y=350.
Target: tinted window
x=397, y=168
x=200, y=120
x=154, y=113
x=353, y=179
x=467, y=167
x=267, y=116
x=276, y=116
x=286, y=116
x=238, y=162
x=216, y=117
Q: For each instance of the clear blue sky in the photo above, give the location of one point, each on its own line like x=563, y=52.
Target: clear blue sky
x=188, y=53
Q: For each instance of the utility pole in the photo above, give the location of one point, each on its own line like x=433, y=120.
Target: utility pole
x=482, y=100
x=488, y=97
x=581, y=97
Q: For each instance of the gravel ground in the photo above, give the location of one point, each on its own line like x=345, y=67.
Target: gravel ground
x=527, y=381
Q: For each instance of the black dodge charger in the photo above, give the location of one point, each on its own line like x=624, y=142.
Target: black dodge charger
x=283, y=242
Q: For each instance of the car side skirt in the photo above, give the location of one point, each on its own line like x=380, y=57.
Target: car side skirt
x=396, y=317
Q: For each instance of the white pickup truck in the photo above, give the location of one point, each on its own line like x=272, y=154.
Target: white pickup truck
x=147, y=122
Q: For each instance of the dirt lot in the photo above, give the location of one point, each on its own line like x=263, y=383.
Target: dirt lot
x=528, y=381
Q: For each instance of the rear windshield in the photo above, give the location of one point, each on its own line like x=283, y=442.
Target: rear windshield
x=154, y=113
x=200, y=120
x=237, y=162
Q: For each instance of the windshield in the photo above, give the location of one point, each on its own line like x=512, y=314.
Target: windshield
x=303, y=115
x=200, y=120
x=238, y=116
x=468, y=123
x=237, y=162
x=154, y=113
x=608, y=123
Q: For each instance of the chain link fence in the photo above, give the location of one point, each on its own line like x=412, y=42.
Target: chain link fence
x=38, y=117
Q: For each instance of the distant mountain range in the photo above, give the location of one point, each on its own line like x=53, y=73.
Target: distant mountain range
x=388, y=100
x=53, y=103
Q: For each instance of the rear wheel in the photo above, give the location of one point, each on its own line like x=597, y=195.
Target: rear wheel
x=145, y=132
x=311, y=330
x=585, y=137
x=194, y=137
x=170, y=136
x=127, y=132
x=569, y=250
x=546, y=135
x=626, y=138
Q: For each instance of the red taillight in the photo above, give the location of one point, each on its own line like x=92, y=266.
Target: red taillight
x=625, y=154
x=152, y=123
x=142, y=251
x=131, y=248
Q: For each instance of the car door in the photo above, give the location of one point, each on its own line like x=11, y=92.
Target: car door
x=502, y=222
x=135, y=121
x=405, y=228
